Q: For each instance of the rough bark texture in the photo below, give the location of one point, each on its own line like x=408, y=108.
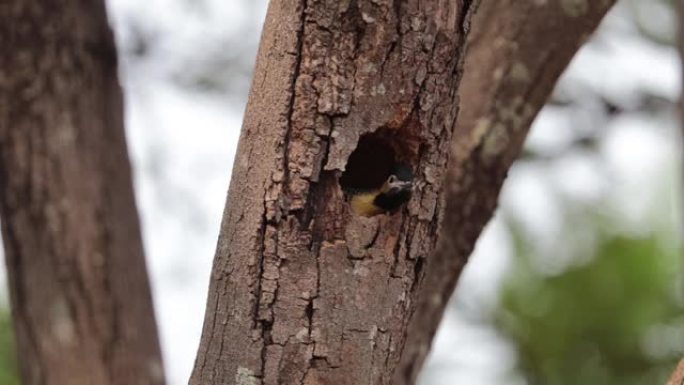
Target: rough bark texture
x=516, y=52
x=80, y=297
x=302, y=290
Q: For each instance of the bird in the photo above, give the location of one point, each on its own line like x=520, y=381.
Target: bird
x=392, y=194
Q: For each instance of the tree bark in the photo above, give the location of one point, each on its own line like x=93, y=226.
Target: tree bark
x=80, y=296
x=516, y=52
x=302, y=290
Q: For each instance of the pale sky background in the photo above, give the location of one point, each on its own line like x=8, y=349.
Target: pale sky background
x=183, y=131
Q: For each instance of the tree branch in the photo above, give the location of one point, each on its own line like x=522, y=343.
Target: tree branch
x=516, y=52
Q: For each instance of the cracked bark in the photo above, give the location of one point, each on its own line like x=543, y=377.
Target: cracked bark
x=80, y=297
x=303, y=291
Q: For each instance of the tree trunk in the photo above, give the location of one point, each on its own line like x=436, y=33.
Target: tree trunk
x=516, y=52
x=80, y=297
x=305, y=292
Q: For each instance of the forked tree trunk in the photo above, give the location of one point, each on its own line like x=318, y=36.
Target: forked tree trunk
x=80, y=298
x=305, y=292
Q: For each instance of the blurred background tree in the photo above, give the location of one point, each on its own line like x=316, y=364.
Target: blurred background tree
x=577, y=280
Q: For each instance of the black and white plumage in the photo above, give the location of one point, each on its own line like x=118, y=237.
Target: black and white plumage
x=390, y=196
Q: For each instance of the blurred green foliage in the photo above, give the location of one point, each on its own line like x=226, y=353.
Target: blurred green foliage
x=614, y=320
x=8, y=363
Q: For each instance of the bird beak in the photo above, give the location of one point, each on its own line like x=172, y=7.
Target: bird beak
x=406, y=185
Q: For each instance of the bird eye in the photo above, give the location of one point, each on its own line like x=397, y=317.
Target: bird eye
x=392, y=179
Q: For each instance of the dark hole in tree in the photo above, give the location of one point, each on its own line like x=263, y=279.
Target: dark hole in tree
x=371, y=163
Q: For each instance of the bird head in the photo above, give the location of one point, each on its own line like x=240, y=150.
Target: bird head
x=399, y=182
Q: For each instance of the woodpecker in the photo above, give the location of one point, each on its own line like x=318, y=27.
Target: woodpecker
x=394, y=192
